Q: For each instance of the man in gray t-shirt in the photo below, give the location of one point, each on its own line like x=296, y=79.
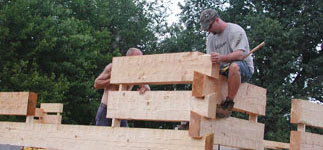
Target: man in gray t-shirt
x=227, y=43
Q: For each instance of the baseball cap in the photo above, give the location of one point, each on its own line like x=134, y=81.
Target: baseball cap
x=206, y=18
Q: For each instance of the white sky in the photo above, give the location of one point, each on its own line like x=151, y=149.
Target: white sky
x=174, y=10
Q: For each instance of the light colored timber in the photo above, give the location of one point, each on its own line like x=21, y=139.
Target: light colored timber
x=29, y=119
x=232, y=132
x=44, y=117
x=300, y=140
x=18, y=103
x=307, y=113
x=173, y=68
x=39, y=112
x=79, y=137
x=52, y=119
x=249, y=99
x=253, y=118
x=204, y=85
x=116, y=122
x=301, y=127
x=52, y=107
x=276, y=145
x=158, y=105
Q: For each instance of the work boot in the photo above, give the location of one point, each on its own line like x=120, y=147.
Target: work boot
x=227, y=107
x=220, y=112
x=227, y=104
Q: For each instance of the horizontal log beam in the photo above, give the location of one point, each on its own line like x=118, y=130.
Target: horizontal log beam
x=276, y=145
x=304, y=112
x=173, y=68
x=158, y=105
x=232, y=132
x=52, y=107
x=79, y=137
x=249, y=99
x=300, y=140
x=18, y=103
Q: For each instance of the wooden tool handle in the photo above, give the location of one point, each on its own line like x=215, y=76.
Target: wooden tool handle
x=255, y=49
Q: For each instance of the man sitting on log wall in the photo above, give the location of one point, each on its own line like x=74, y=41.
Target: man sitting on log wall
x=227, y=43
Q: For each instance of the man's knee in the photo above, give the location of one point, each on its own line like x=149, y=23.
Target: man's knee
x=234, y=68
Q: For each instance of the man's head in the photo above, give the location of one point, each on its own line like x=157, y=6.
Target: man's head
x=133, y=52
x=207, y=18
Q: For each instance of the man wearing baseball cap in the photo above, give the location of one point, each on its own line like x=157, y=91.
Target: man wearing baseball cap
x=227, y=43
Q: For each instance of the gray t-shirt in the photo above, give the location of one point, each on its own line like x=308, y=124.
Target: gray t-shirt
x=231, y=39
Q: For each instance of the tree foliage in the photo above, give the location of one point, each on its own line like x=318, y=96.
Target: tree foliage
x=57, y=48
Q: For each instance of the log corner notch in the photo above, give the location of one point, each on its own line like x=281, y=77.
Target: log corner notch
x=18, y=103
x=204, y=85
x=250, y=98
x=230, y=131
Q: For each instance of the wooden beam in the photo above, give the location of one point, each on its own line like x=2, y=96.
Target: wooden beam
x=300, y=140
x=79, y=137
x=51, y=119
x=116, y=122
x=18, y=103
x=249, y=99
x=301, y=127
x=173, y=68
x=158, y=105
x=231, y=131
x=204, y=85
x=52, y=107
x=39, y=112
x=276, y=145
x=305, y=112
x=253, y=118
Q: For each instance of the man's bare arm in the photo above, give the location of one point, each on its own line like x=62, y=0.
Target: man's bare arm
x=143, y=88
x=103, y=80
x=236, y=55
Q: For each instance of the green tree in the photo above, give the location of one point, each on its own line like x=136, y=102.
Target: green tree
x=57, y=48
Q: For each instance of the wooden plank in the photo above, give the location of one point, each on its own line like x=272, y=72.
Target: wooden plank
x=276, y=145
x=29, y=119
x=18, y=103
x=301, y=127
x=51, y=119
x=300, y=140
x=80, y=137
x=232, y=132
x=249, y=99
x=52, y=107
x=305, y=112
x=204, y=85
x=253, y=118
x=173, y=68
x=39, y=112
x=158, y=105
x=116, y=122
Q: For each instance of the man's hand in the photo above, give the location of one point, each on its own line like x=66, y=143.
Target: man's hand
x=143, y=89
x=216, y=57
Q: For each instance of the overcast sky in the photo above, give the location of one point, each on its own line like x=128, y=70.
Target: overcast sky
x=174, y=11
